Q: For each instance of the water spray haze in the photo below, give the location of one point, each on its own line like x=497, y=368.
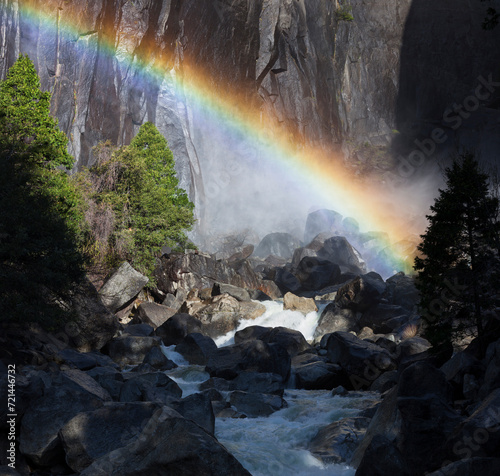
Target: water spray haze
x=245, y=170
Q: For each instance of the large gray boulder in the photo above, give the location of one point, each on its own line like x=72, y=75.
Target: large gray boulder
x=196, y=348
x=321, y=221
x=154, y=314
x=198, y=408
x=186, y=271
x=150, y=387
x=304, y=305
x=122, y=286
x=362, y=293
x=72, y=392
x=169, y=444
x=277, y=244
x=256, y=405
x=94, y=325
x=91, y=435
x=254, y=355
x=334, y=318
x=177, y=328
x=315, y=273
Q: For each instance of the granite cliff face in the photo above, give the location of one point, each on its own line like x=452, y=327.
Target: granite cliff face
x=334, y=84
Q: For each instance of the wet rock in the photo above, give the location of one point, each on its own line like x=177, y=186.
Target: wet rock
x=91, y=435
x=337, y=442
x=169, y=444
x=138, y=330
x=251, y=333
x=256, y=405
x=177, y=328
x=154, y=314
x=295, y=303
x=196, y=348
x=122, y=286
x=291, y=340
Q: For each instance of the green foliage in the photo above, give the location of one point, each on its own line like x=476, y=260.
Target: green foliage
x=134, y=204
x=458, y=266
x=39, y=206
x=344, y=13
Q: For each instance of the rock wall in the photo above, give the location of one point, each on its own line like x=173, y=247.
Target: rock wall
x=330, y=83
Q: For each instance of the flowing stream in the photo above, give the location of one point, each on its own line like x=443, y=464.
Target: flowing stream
x=276, y=445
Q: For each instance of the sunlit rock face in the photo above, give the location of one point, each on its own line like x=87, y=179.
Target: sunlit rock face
x=325, y=79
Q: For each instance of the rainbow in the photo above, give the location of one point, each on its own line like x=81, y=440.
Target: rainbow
x=313, y=171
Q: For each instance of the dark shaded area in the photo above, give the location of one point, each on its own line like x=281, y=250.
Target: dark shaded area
x=449, y=78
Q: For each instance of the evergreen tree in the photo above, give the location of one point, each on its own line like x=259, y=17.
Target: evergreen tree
x=459, y=249
x=135, y=205
x=39, y=214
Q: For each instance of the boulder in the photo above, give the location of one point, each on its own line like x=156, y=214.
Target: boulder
x=256, y=405
x=130, y=350
x=286, y=281
x=224, y=314
x=428, y=418
x=70, y=393
x=382, y=457
x=154, y=314
x=196, y=348
x=321, y=221
x=197, y=408
x=256, y=382
x=270, y=288
x=336, y=443
x=138, y=330
x=384, y=318
x=412, y=346
x=470, y=466
x=492, y=374
x=334, y=318
x=361, y=293
x=157, y=360
x=85, y=360
x=363, y=361
x=338, y=250
x=177, y=328
x=315, y=273
x=169, y=444
x=292, y=302
x=291, y=340
x=251, y=333
x=238, y=293
x=479, y=434
x=254, y=355
x=150, y=387
x=277, y=244
x=194, y=270
x=91, y=435
x=401, y=291
x=174, y=301
x=319, y=375
x=122, y=286
x=109, y=379
x=93, y=325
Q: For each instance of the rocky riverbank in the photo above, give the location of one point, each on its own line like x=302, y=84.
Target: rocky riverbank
x=94, y=398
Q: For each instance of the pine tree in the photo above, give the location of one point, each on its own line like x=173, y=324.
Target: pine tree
x=135, y=205
x=459, y=250
x=39, y=213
